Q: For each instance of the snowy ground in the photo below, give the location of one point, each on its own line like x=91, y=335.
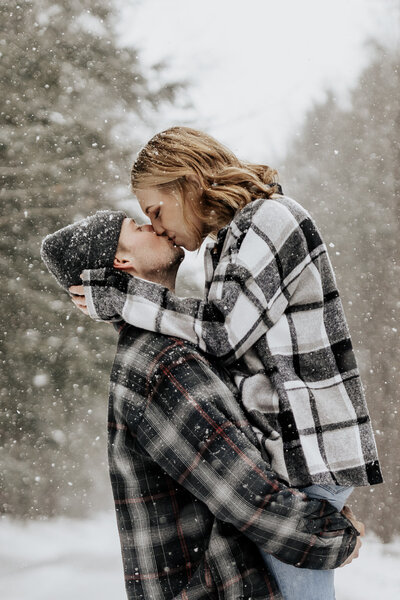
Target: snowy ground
x=64, y=559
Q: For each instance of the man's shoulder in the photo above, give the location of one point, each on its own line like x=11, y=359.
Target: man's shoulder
x=148, y=357
x=150, y=342
x=147, y=350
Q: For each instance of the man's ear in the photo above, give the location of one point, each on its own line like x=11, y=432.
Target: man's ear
x=123, y=264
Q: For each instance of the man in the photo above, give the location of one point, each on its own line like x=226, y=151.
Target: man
x=193, y=496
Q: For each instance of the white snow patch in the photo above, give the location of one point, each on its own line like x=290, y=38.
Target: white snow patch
x=61, y=558
x=40, y=380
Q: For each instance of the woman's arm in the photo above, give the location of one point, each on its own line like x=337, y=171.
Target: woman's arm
x=252, y=284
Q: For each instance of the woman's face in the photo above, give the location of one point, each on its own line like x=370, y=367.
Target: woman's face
x=166, y=214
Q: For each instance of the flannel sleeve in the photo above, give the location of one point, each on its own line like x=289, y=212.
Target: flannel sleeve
x=250, y=290
x=188, y=432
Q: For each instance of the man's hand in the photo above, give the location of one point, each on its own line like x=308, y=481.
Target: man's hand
x=359, y=525
x=78, y=298
x=348, y=513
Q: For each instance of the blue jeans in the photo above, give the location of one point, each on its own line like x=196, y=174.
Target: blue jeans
x=308, y=584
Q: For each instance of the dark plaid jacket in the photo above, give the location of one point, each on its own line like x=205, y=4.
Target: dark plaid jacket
x=193, y=495
x=273, y=313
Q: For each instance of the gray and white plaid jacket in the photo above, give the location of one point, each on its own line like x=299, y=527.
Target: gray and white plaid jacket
x=193, y=496
x=272, y=312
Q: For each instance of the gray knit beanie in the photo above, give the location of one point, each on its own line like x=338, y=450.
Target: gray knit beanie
x=87, y=244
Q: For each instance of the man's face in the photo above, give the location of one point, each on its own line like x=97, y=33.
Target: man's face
x=145, y=254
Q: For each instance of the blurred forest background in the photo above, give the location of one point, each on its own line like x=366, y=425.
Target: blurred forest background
x=76, y=107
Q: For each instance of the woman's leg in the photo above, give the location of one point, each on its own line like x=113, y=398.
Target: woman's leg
x=308, y=584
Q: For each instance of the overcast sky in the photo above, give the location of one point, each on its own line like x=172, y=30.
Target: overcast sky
x=255, y=66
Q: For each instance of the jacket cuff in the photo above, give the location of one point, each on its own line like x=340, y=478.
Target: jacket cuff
x=105, y=292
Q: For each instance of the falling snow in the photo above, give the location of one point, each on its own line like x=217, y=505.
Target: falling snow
x=78, y=105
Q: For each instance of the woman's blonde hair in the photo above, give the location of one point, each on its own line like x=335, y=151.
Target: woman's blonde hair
x=171, y=157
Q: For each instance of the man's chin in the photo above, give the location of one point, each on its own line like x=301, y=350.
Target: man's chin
x=173, y=259
x=178, y=253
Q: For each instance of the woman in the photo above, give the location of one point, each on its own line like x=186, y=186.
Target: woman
x=271, y=312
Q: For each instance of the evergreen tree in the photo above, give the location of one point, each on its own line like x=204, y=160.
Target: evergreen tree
x=73, y=100
x=344, y=168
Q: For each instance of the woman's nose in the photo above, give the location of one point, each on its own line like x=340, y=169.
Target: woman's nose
x=147, y=227
x=158, y=229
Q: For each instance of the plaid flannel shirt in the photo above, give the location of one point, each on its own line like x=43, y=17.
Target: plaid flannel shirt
x=193, y=495
x=272, y=311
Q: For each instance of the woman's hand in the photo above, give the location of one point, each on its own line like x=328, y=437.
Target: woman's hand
x=348, y=513
x=78, y=298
